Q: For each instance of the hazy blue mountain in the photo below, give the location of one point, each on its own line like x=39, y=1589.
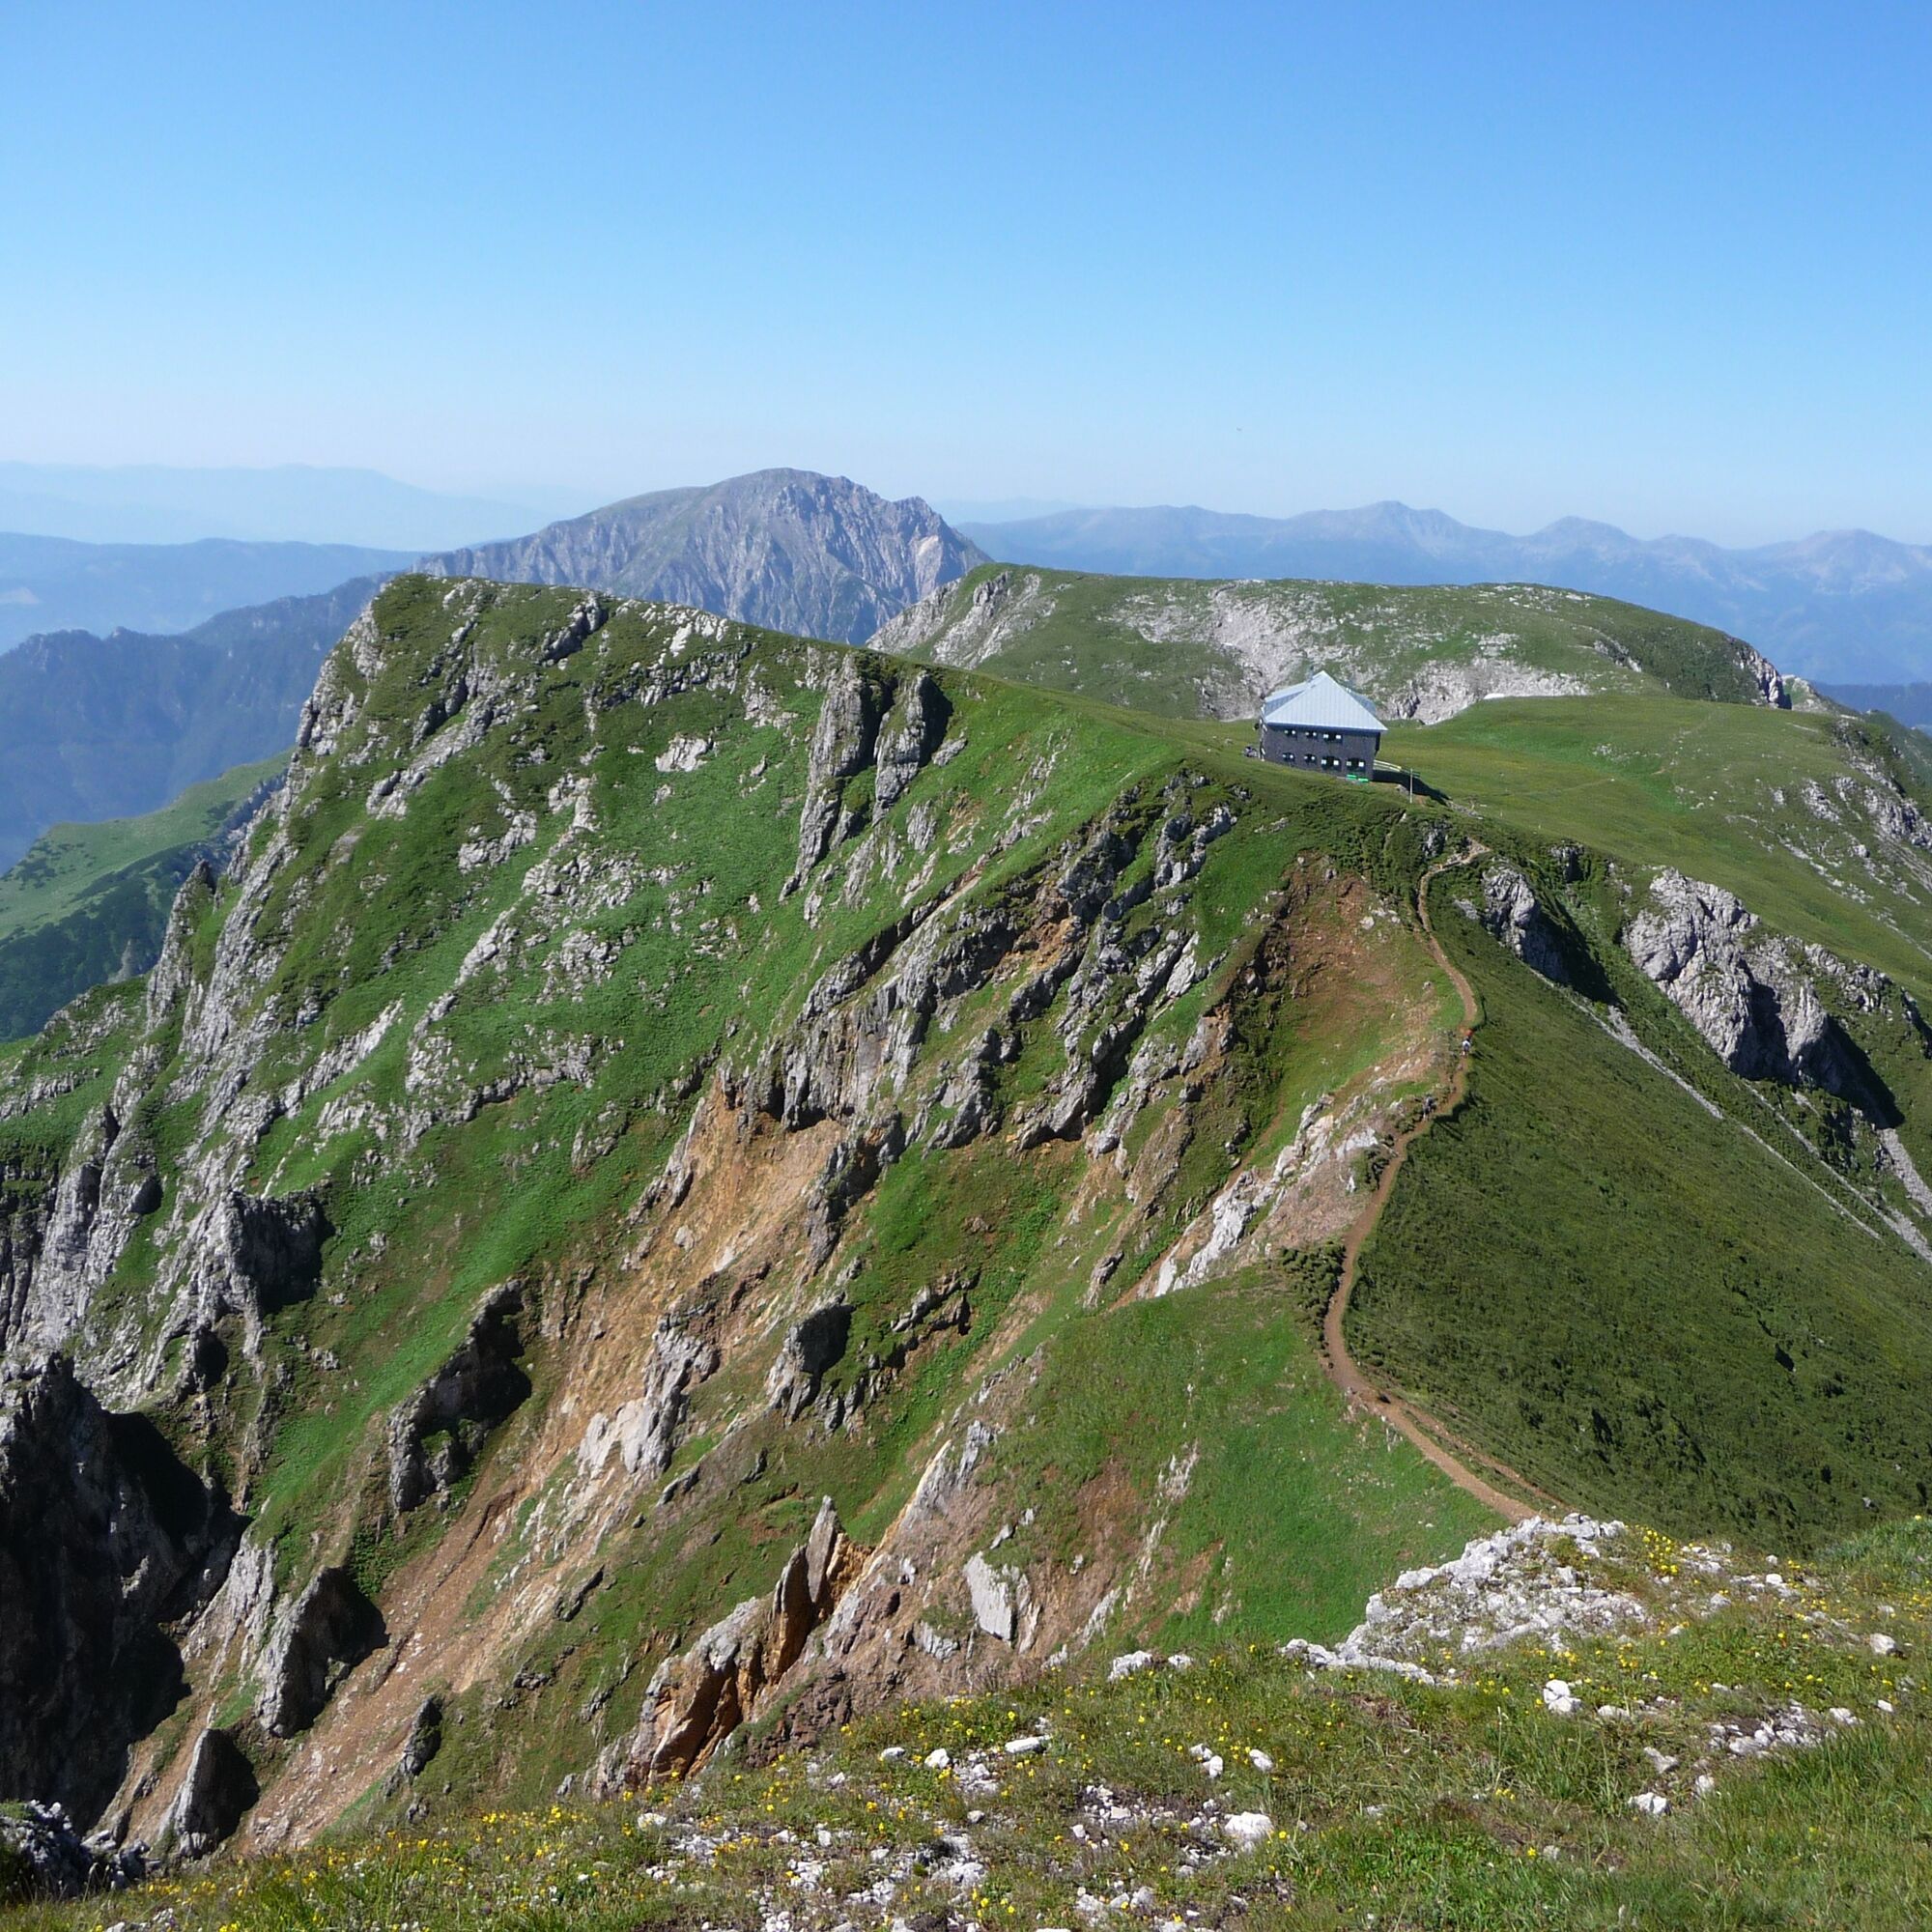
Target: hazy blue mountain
x=97, y=727
x=820, y=556
x=290, y=503
x=51, y=583
x=1910, y=703
x=1843, y=605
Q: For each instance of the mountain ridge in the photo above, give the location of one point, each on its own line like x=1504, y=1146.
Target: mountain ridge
x=289, y=503
x=1196, y=646
x=122, y=724
x=1847, y=605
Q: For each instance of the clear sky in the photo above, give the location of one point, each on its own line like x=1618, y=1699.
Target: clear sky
x=1667, y=265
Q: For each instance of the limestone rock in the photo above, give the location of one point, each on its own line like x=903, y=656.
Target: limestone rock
x=215, y=1796
x=1741, y=990
x=813, y=1346
x=1511, y=913
x=644, y=1431
x=42, y=1856
x=819, y=557
x=425, y=1738
x=912, y=733
x=697, y=1699
x=328, y=1629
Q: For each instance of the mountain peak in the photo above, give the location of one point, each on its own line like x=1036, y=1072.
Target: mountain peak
x=791, y=549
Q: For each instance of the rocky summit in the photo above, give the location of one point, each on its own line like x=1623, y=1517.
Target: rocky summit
x=691, y=1193
x=818, y=556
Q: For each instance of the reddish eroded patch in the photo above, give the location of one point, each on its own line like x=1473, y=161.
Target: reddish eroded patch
x=729, y=1250
x=1334, y=964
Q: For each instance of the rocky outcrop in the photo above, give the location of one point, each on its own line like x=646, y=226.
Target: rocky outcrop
x=912, y=732
x=105, y=1540
x=168, y=982
x=42, y=1856
x=1742, y=989
x=425, y=1739
x=643, y=1433
x=328, y=1629
x=841, y=747
x=816, y=555
x=439, y=1433
x=1511, y=913
x=259, y=1254
x=811, y=1348
x=217, y=1792
x=699, y=1700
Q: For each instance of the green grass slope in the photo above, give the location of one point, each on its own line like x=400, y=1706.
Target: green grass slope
x=89, y=903
x=1182, y=647
x=517, y=931
x=1057, y=1058
x=1639, y=1305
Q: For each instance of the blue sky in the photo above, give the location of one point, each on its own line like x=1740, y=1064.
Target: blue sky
x=1669, y=266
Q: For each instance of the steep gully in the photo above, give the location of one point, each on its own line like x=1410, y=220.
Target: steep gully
x=1423, y=1431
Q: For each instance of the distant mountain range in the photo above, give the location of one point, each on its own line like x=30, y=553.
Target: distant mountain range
x=109, y=727
x=89, y=903
x=52, y=584
x=820, y=556
x=1842, y=606
x=1910, y=703
x=154, y=503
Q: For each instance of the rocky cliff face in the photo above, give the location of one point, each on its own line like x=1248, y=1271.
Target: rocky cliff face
x=105, y=1540
x=816, y=555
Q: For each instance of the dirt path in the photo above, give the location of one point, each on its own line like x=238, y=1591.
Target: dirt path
x=1428, y=1436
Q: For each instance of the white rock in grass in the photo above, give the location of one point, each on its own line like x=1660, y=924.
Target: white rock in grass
x=683, y=754
x=1881, y=1645
x=1558, y=1698
x=1706, y=1785
x=1652, y=1804
x=1127, y=1665
x=1261, y=1761
x=1838, y=1715
x=891, y=1754
x=1024, y=1747
x=1246, y=1829
x=938, y=1760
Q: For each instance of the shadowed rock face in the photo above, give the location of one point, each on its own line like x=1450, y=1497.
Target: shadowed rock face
x=437, y=1434
x=816, y=555
x=213, y=1797
x=105, y=1537
x=330, y=1628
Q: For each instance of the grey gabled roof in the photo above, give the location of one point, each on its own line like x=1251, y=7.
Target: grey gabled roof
x=1321, y=702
